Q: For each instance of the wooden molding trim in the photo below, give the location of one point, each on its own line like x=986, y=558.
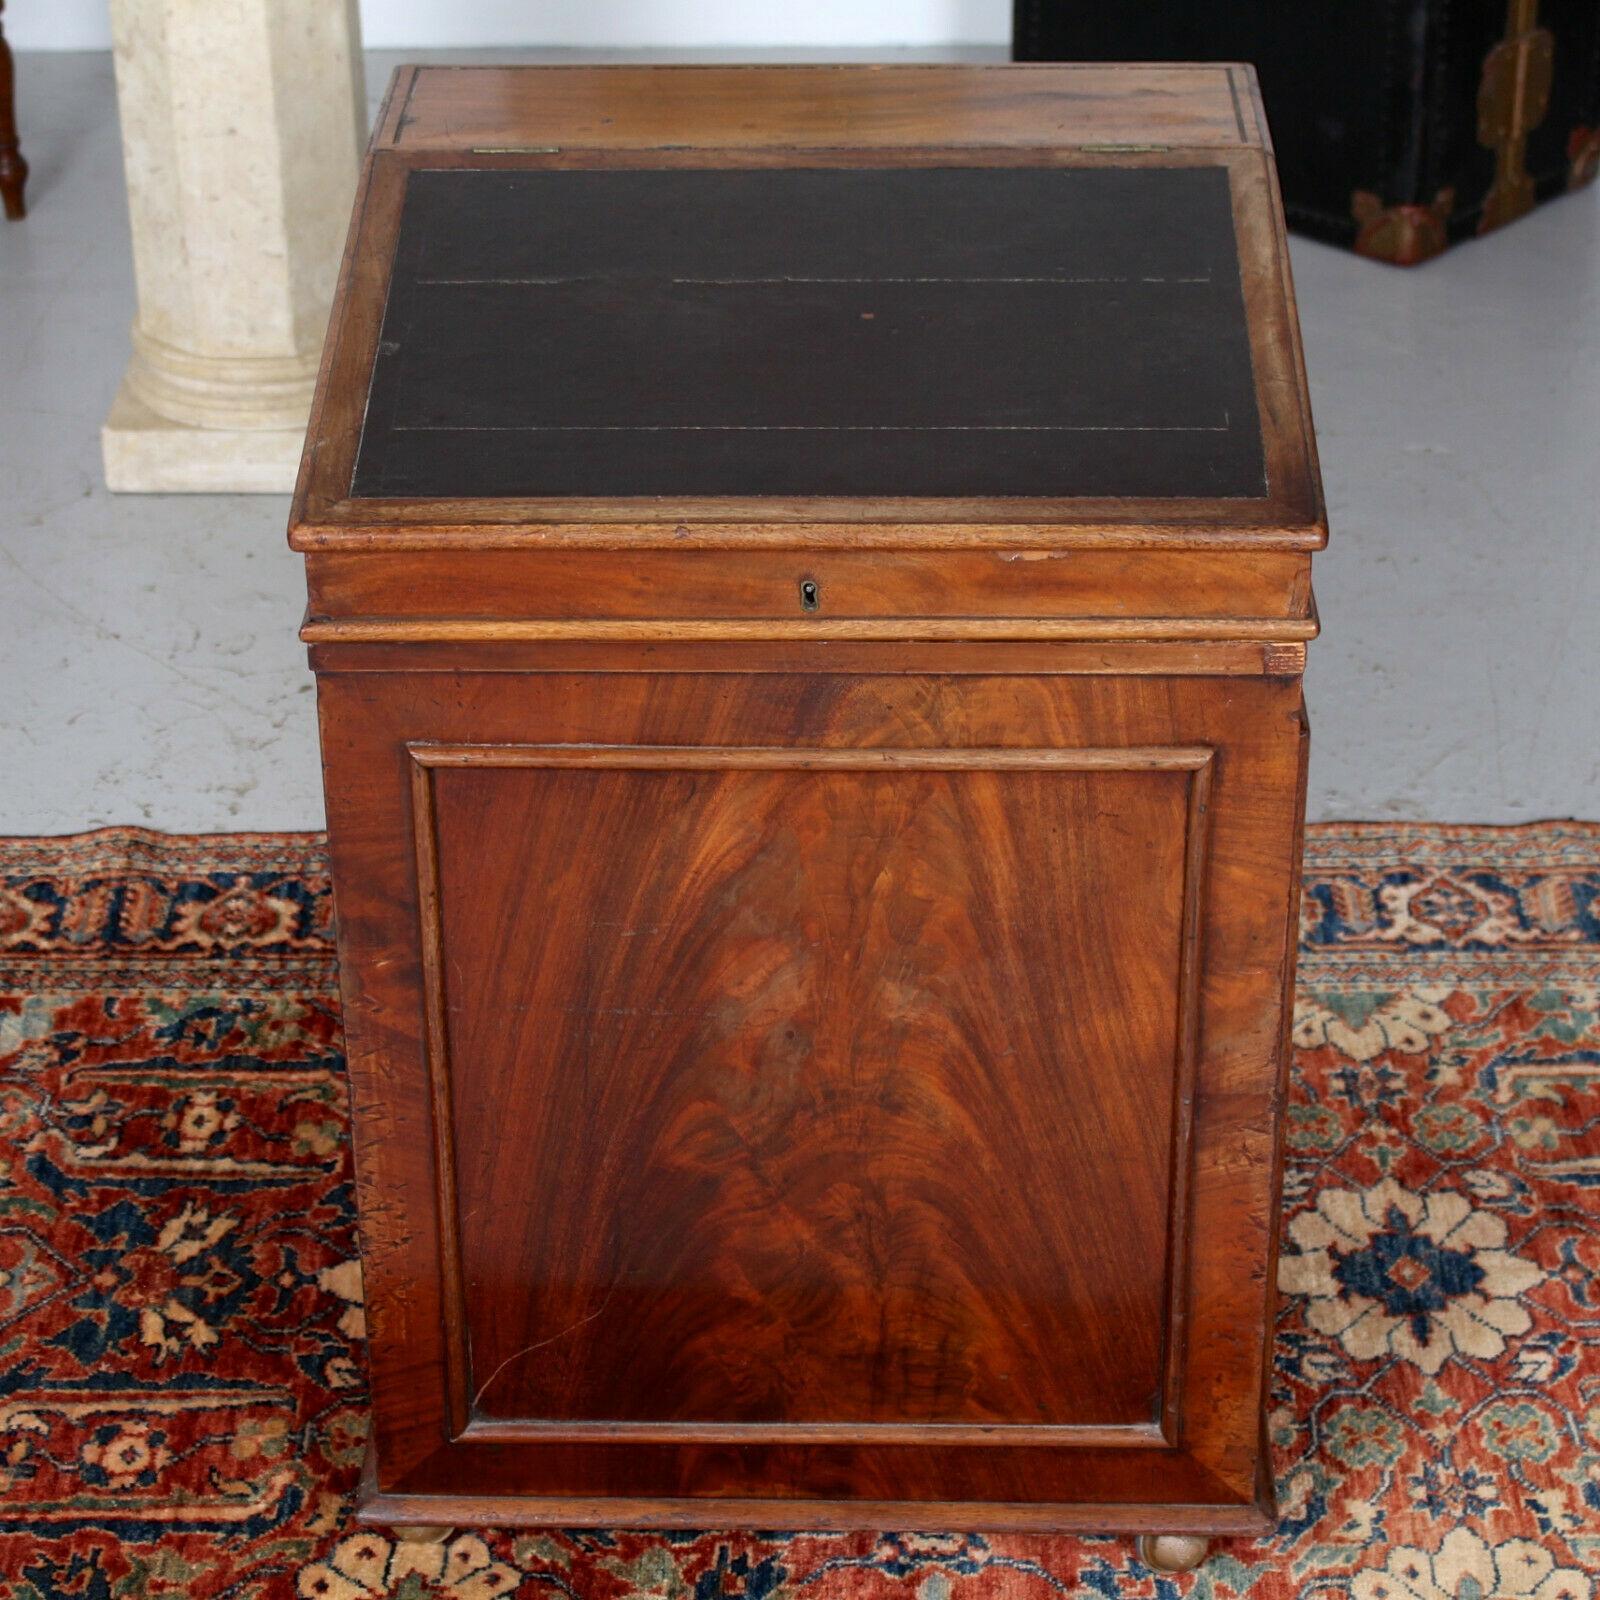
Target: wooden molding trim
x=552, y=525
x=1135, y=1435
x=472, y=630
x=1000, y=658
x=1229, y=1514
x=463, y=1427
x=811, y=105
x=436, y=1053
x=701, y=758
x=1180, y=1181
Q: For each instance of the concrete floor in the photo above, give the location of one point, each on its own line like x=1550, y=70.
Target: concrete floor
x=148, y=659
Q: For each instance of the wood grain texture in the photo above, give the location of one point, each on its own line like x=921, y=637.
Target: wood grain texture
x=786, y=108
x=469, y=630
x=816, y=970
x=372, y=726
x=461, y=1508
x=747, y=1190
x=736, y=585
x=957, y=658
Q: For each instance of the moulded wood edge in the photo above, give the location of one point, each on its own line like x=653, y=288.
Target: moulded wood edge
x=1076, y=1436
x=310, y=532
x=377, y=1507
x=1195, y=760
x=957, y=658
x=675, y=758
x=467, y=630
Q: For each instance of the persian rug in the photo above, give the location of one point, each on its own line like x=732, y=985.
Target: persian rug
x=181, y=1378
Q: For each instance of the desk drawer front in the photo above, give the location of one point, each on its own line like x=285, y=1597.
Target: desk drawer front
x=814, y=588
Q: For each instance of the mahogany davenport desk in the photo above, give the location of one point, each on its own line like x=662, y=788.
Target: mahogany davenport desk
x=809, y=581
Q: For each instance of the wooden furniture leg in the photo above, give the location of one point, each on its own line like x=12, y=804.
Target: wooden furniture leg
x=13, y=169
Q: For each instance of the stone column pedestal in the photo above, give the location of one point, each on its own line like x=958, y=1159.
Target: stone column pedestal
x=242, y=125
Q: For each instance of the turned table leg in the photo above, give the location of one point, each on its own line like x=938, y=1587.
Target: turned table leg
x=419, y=1534
x=1173, y=1552
x=13, y=169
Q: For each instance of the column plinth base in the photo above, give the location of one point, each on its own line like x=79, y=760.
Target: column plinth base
x=148, y=454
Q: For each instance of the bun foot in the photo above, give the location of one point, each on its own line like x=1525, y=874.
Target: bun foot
x=414, y=1533
x=1173, y=1552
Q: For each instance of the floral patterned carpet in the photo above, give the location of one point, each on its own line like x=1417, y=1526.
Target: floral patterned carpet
x=181, y=1382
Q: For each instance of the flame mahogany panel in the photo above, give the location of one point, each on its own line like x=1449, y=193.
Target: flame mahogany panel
x=777, y=1077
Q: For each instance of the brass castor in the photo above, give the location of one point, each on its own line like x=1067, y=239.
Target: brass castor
x=1173, y=1552
x=414, y=1533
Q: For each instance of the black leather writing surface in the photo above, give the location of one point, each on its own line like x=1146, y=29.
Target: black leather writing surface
x=861, y=332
